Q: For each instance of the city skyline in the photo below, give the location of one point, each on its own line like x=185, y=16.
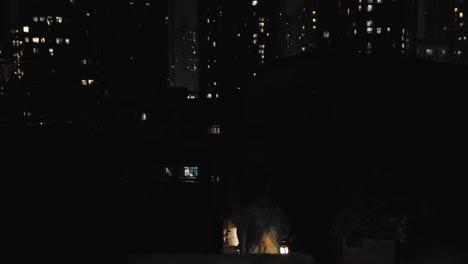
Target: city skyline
x=170, y=115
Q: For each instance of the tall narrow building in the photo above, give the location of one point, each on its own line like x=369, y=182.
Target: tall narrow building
x=135, y=55
x=186, y=59
x=458, y=31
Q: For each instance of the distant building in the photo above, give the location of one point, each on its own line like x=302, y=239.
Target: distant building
x=432, y=34
x=235, y=39
x=458, y=31
x=135, y=56
x=217, y=42
x=186, y=59
x=306, y=29
x=87, y=59
x=374, y=26
x=46, y=59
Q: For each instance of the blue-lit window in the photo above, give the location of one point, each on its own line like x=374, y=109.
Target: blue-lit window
x=190, y=171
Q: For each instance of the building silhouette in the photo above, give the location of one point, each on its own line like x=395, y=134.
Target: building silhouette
x=186, y=59
x=235, y=38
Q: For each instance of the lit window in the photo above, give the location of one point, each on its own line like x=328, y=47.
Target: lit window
x=314, y=27
x=313, y=12
x=369, y=8
x=460, y=14
x=209, y=96
x=67, y=41
x=50, y=20
x=429, y=51
x=59, y=41
x=84, y=62
x=379, y=1
x=326, y=34
x=303, y=27
x=388, y=29
x=26, y=39
x=84, y=82
x=355, y=32
x=369, y=23
x=369, y=30
x=35, y=40
x=190, y=172
x=254, y=2
x=369, y=45
x=314, y=20
x=148, y=4
x=214, y=130
x=215, y=83
x=51, y=51
x=35, y=51
x=26, y=29
x=238, y=35
x=359, y=7
x=303, y=48
x=254, y=74
x=59, y=20
x=91, y=82
x=379, y=30
x=35, y=19
x=255, y=35
x=214, y=44
x=168, y=172
x=144, y=117
x=42, y=19
x=43, y=40
x=455, y=9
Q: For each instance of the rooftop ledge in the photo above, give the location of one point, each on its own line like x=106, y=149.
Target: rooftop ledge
x=294, y=258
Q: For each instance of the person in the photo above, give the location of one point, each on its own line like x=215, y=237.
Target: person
x=263, y=225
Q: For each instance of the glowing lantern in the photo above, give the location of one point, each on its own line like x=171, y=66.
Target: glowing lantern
x=284, y=250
